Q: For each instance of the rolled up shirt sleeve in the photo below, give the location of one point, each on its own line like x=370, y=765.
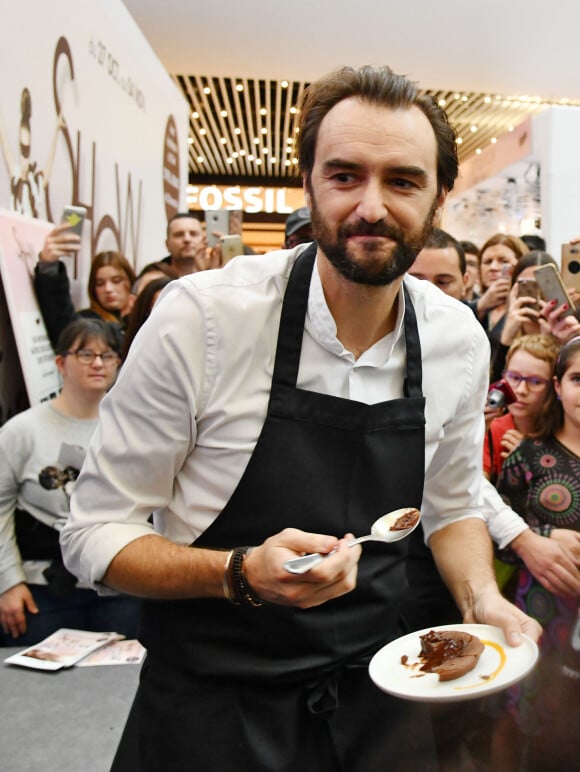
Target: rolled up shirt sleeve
x=146, y=429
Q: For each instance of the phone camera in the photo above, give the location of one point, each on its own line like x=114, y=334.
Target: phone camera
x=574, y=266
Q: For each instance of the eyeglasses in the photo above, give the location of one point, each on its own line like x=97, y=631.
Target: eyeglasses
x=87, y=356
x=534, y=382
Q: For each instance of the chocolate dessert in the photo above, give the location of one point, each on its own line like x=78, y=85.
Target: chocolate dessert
x=408, y=519
x=449, y=653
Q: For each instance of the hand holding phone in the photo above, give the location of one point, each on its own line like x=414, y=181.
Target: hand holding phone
x=217, y=224
x=552, y=288
x=231, y=246
x=528, y=288
x=74, y=217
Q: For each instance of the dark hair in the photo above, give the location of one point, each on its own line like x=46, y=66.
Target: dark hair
x=159, y=267
x=102, y=259
x=141, y=310
x=470, y=248
x=534, y=242
x=378, y=86
x=84, y=329
x=536, y=257
x=179, y=216
x=440, y=239
x=568, y=350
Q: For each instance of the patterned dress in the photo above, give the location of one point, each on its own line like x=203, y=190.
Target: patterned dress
x=541, y=480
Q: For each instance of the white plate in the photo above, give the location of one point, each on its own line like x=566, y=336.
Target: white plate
x=499, y=666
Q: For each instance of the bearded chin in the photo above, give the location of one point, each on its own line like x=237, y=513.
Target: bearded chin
x=402, y=257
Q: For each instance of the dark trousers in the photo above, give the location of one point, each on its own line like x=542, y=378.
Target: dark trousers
x=79, y=610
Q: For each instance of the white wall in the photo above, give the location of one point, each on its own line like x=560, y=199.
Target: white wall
x=116, y=100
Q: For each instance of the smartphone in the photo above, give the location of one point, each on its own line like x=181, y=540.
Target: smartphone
x=552, y=287
x=216, y=221
x=528, y=288
x=571, y=265
x=231, y=247
x=74, y=216
x=506, y=270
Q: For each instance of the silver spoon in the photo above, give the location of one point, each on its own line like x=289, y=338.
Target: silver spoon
x=381, y=530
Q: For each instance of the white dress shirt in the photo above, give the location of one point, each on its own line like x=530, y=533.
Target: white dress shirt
x=178, y=428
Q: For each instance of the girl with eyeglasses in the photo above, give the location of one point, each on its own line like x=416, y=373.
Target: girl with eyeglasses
x=41, y=452
x=541, y=479
x=528, y=371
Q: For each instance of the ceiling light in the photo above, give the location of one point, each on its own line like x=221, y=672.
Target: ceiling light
x=258, y=161
x=264, y=131
x=493, y=140
x=224, y=113
x=190, y=140
x=203, y=132
x=442, y=102
x=265, y=150
x=242, y=152
x=237, y=131
x=256, y=141
x=473, y=129
x=294, y=160
x=478, y=151
x=286, y=163
x=293, y=110
x=195, y=115
x=223, y=140
x=273, y=159
x=200, y=159
x=459, y=140
x=487, y=100
x=207, y=90
x=229, y=160
x=464, y=98
x=250, y=158
x=263, y=111
x=234, y=155
x=239, y=87
x=284, y=84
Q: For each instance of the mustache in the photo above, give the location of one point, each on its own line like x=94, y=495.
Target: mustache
x=371, y=229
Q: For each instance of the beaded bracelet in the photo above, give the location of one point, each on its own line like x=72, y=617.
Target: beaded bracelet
x=238, y=590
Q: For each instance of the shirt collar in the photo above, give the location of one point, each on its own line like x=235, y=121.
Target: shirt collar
x=321, y=326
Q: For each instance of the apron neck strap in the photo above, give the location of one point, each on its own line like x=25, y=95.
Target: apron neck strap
x=291, y=330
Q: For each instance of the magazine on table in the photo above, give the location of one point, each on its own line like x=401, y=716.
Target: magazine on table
x=63, y=649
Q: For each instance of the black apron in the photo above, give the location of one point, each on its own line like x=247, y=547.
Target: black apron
x=322, y=464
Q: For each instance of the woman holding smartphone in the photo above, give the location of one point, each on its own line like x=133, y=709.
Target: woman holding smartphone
x=498, y=259
x=522, y=316
x=109, y=287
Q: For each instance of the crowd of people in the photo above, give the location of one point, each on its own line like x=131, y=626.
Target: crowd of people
x=284, y=402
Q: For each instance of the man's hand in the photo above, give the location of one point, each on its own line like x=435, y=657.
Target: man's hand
x=491, y=608
x=553, y=561
x=335, y=576
x=13, y=605
x=61, y=241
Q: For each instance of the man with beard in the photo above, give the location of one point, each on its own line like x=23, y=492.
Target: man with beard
x=187, y=245
x=286, y=404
